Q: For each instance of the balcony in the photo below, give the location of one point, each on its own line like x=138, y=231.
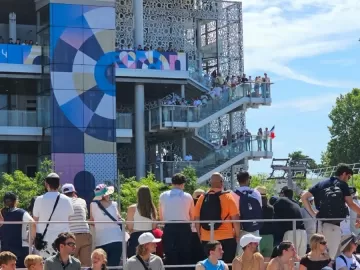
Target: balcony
x=219, y=160
x=20, y=58
x=124, y=123
x=177, y=116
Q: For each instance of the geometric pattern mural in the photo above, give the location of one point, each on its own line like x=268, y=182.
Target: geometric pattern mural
x=152, y=60
x=83, y=94
x=20, y=54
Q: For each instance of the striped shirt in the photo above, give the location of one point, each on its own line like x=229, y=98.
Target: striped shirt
x=80, y=211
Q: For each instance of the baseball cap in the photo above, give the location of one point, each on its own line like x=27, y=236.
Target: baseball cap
x=146, y=238
x=68, y=188
x=249, y=238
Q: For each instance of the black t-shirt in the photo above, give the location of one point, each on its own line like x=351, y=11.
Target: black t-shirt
x=285, y=208
x=314, y=265
x=319, y=187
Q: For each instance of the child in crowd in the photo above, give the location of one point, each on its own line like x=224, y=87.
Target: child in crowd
x=34, y=262
x=7, y=260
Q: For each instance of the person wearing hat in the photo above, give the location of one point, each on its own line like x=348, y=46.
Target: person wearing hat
x=108, y=236
x=250, y=259
x=144, y=258
x=347, y=260
x=61, y=207
x=79, y=226
x=14, y=237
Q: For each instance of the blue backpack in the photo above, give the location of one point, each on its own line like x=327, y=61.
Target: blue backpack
x=250, y=208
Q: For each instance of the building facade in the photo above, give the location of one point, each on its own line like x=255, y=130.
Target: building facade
x=89, y=91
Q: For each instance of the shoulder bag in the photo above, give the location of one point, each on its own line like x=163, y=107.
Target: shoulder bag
x=39, y=242
x=108, y=214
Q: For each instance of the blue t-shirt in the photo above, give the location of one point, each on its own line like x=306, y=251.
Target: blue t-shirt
x=316, y=189
x=209, y=266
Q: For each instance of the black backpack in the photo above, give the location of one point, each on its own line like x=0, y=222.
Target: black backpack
x=250, y=208
x=332, y=204
x=211, y=209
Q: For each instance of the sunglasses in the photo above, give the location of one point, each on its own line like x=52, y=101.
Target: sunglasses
x=323, y=243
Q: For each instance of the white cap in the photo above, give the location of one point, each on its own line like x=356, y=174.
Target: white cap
x=53, y=175
x=146, y=238
x=249, y=238
x=67, y=188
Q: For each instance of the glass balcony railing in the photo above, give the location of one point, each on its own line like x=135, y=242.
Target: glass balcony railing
x=200, y=78
x=18, y=118
x=124, y=120
x=216, y=158
x=180, y=113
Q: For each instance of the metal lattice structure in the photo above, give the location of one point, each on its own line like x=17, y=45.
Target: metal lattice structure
x=320, y=173
x=193, y=26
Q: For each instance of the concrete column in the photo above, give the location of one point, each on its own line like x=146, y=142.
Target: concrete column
x=138, y=11
x=183, y=147
x=183, y=90
x=12, y=26
x=231, y=120
x=140, y=130
x=198, y=44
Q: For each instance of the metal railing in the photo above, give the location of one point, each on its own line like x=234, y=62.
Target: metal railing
x=18, y=118
x=221, y=154
x=124, y=120
x=162, y=223
x=182, y=113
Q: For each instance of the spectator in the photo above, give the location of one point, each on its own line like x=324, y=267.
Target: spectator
x=34, y=262
x=331, y=197
x=347, y=260
x=52, y=206
x=283, y=256
x=7, y=260
x=81, y=227
x=144, y=258
x=65, y=246
x=176, y=204
x=317, y=258
x=98, y=259
x=14, y=237
x=266, y=231
x=218, y=205
x=286, y=208
x=214, y=254
x=108, y=236
x=245, y=196
x=144, y=210
x=250, y=259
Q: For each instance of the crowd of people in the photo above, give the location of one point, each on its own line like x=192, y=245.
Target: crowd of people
x=245, y=232
x=17, y=41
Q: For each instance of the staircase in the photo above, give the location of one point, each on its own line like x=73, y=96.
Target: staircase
x=220, y=159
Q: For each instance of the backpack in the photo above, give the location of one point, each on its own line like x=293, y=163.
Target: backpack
x=211, y=209
x=250, y=208
x=332, y=204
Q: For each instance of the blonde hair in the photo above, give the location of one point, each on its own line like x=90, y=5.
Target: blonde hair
x=141, y=250
x=32, y=260
x=100, y=252
x=315, y=240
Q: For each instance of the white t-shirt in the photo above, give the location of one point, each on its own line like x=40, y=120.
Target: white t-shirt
x=351, y=263
x=24, y=232
x=176, y=204
x=106, y=233
x=42, y=209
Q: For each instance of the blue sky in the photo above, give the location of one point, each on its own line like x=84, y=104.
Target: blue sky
x=310, y=50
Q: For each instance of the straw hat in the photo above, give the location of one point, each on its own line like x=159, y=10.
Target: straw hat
x=346, y=239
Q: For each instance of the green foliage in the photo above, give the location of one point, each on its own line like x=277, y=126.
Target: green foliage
x=297, y=155
x=261, y=180
x=191, y=184
x=344, y=145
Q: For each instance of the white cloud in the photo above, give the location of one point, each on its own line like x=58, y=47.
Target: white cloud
x=279, y=31
x=339, y=62
x=307, y=104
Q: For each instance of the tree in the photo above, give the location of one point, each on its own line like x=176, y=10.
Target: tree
x=297, y=155
x=344, y=144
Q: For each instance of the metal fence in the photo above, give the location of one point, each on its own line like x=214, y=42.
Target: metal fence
x=163, y=223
